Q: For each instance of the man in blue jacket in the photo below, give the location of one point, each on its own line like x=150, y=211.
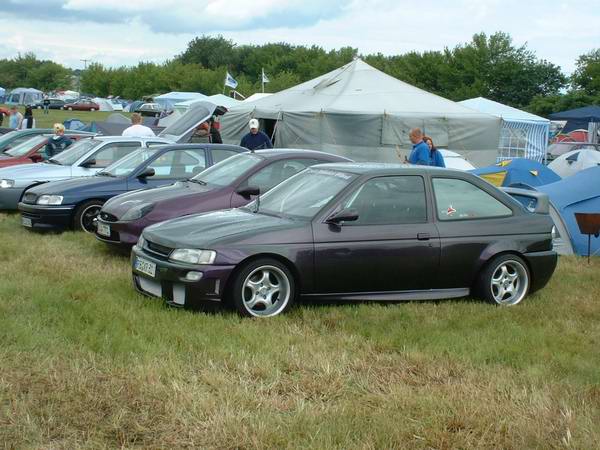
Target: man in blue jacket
x=255, y=140
x=420, y=151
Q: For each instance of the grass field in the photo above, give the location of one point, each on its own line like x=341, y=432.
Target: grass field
x=85, y=362
x=55, y=115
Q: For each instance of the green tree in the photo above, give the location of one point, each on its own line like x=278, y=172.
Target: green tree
x=587, y=74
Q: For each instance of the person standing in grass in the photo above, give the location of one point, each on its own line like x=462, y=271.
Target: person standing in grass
x=28, y=120
x=420, y=151
x=137, y=129
x=46, y=103
x=15, y=119
x=58, y=142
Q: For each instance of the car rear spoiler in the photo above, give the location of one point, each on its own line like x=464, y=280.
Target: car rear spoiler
x=540, y=203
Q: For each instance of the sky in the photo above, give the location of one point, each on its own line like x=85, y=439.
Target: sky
x=124, y=32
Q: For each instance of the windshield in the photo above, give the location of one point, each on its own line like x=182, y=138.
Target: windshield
x=228, y=170
x=7, y=138
x=74, y=152
x=125, y=166
x=24, y=147
x=304, y=194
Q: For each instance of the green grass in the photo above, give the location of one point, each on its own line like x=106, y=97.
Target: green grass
x=85, y=362
x=55, y=115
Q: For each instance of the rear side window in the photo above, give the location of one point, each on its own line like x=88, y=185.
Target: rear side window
x=460, y=200
x=219, y=154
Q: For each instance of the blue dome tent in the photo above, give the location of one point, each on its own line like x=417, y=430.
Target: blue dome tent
x=518, y=172
x=577, y=194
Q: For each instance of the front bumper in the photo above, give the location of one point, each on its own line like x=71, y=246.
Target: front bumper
x=46, y=217
x=169, y=281
x=10, y=197
x=542, y=265
x=121, y=233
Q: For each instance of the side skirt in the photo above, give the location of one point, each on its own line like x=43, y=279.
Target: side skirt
x=430, y=294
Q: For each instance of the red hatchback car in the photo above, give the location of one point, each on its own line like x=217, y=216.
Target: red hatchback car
x=82, y=105
x=32, y=150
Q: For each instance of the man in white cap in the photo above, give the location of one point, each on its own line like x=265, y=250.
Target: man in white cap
x=255, y=140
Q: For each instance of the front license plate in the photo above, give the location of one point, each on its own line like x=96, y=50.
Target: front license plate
x=104, y=229
x=145, y=267
x=26, y=221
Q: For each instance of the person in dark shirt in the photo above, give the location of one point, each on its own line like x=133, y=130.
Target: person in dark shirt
x=58, y=142
x=255, y=140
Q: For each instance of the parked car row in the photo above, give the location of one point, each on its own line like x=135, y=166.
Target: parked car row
x=213, y=224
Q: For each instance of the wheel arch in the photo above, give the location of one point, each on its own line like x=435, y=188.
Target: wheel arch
x=485, y=264
x=280, y=258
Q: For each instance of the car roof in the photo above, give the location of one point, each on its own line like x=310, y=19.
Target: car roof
x=274, y=153
x=373, y=168
x=130, y=139
x=204, y=145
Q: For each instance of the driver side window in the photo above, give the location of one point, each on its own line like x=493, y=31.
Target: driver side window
x=273, y=174
x=111, y=153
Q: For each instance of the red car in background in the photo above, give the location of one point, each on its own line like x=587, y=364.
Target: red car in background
x=32, y=150
x=82, y=105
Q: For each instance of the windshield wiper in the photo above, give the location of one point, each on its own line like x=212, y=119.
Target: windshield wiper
x=200, y=182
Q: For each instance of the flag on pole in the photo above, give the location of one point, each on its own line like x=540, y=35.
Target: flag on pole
x=230, y=81
x=264, y=77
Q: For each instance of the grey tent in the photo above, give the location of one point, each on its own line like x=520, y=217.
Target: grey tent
x=360, y=112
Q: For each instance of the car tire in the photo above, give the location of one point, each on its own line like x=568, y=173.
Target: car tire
x=262, y=288
x=92, y=109
x=70, y=109
x=85, y=215
x=505, y=280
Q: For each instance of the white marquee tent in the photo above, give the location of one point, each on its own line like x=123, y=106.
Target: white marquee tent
x=523, y=135
x=360, y=112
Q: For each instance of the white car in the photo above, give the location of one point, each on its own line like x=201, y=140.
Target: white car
x=88, y=156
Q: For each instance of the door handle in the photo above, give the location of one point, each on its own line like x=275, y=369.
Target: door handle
x=423, y=236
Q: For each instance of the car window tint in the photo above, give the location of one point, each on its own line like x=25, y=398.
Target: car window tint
x=113, y=152
x=220, y=154
x=273, y=174
x=154, y=144
x=389, y=200
x=179, y=164
x=460, y=200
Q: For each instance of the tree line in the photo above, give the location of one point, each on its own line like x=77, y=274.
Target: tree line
x=487, y=66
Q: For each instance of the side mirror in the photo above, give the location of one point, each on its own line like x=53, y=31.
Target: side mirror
x=345, y=215
x=36, y=157
x=89, y=163
x=248, y=191
x=148, y=172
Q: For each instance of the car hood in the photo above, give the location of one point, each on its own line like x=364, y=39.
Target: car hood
x=224, y=228
x=80, y=185
x=117, y=206
x=40, y=172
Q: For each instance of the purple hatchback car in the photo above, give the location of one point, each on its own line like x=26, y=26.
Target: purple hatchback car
x=229, y=184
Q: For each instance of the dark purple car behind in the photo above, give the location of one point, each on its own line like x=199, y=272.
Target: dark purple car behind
x=225, y=185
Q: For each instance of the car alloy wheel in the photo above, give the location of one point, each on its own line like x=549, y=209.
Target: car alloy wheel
x=70, y=109
x=86, y=217
x=263, y=288
x=92, y=109
x=506, y=280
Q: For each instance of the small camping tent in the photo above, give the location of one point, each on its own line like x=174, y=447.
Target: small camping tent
x=578, y=118
x=523, y=135
x=575, y=161
x=579, y=193
x=168, y=101
x=104, y=104
x=518, y=172
x=362, y=113
x=24, y=96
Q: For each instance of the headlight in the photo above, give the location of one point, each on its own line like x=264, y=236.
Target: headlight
x=193, y=256
x=4, y=184
x=141, y=241
x=50, y=200
x=137, y=212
